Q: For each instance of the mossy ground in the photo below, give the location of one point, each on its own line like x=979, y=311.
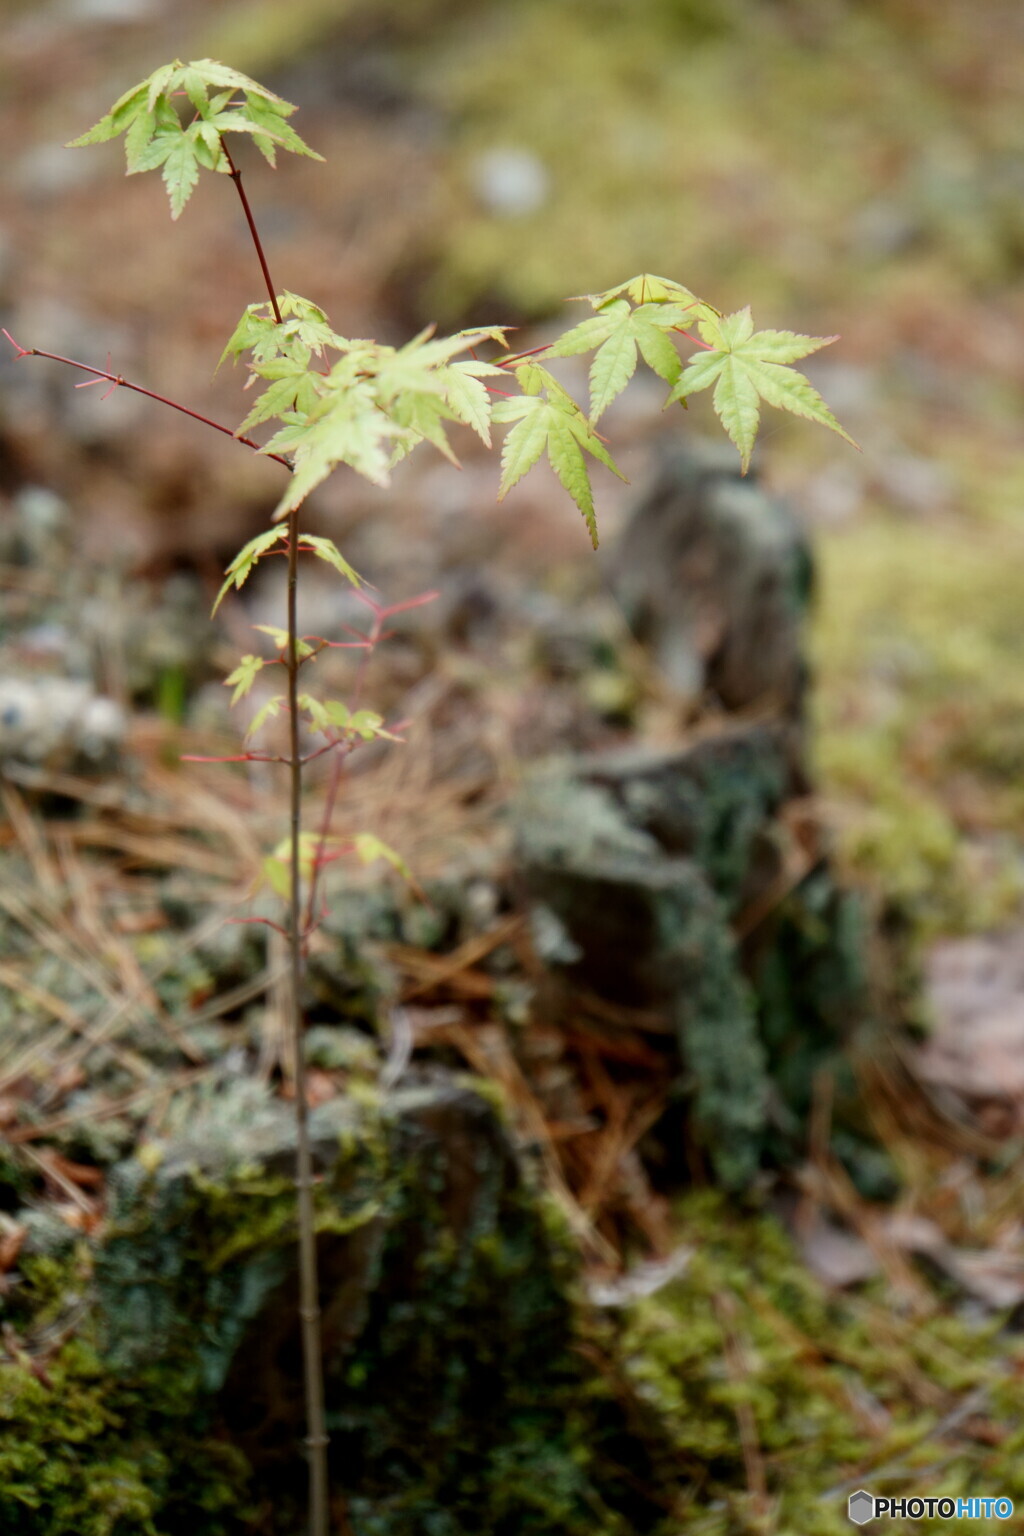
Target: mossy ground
x=761, y=1373
x=744, y=1373
x=920, y=712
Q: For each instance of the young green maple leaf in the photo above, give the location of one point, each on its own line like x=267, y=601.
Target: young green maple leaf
x=326, y=549
x=369, y=847
x=466, y=395
x=243, y=677
x=304, y=328
x=247, y=557
x=346, y=427
x=549, y=420
x=421, y=416
x=294, y=387
x=269, y=710
x=649, y=289
x=155, y=136
x=280, y=639
x=618, y=331
x=319, y=719
x=314, y=849
x=421, y=387
x=748, y=366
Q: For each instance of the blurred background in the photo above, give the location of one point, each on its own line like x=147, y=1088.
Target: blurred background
x=845, y=168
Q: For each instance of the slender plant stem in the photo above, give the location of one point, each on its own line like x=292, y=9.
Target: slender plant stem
x=309, y=1285
x=236, y=177
x=309, y=1291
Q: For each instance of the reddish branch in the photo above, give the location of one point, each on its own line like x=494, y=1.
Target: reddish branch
x=119, y=382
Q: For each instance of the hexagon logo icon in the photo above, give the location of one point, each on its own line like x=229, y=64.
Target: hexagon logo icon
x=861, y=1506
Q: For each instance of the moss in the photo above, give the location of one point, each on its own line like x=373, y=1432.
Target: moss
x=65, y=1467
x=917, y=642
x=843, y=1389
x=470, y=1394
x=88, y=1450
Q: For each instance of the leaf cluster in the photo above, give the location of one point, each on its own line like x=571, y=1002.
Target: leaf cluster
x=356, y=402
x=250, y=554
x=341, y=401
x=644, y=316
x=222, y=100
x=316, y=849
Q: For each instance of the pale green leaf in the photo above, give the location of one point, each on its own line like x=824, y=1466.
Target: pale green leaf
x=444, y=348
x=348, y=428
x=269, y=710
x=368, y=724
x=181, y=172
x=297, y=389
x=613, y=366
x=658, y=352
x=195, y=88
x=789, y=390
x=243, y=677
x=218, y=74
x=122, y=115
x=369, y=848
x=747, y=367
x=326, y=549
x=253, y=328
x=566, y=459
x=699, y=373
x=208, y=148
x=522, y=448
x=162, y=81
x=467, y=396
x=319, y=718
x=650, y=289
x=554, y=423
x=247, y=557
x=280, y=639
x=787, y=346
x=154, y=153
x=589, y=333
x=137, y=138
x=737, y=405
x=239, y=120
x=422, y=415
x=278, y=875
x=588, y=438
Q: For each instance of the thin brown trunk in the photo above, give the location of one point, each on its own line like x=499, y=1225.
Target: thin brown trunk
x=309, y=1294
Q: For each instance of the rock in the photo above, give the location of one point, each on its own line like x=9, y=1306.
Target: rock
x=510, y=181
x=714, y=576
x=58, y=722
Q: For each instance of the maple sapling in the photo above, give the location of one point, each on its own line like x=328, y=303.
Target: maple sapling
x=331, y=401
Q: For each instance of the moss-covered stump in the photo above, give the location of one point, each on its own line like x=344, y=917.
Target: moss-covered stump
x=459, y=1402
x=667, y=874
